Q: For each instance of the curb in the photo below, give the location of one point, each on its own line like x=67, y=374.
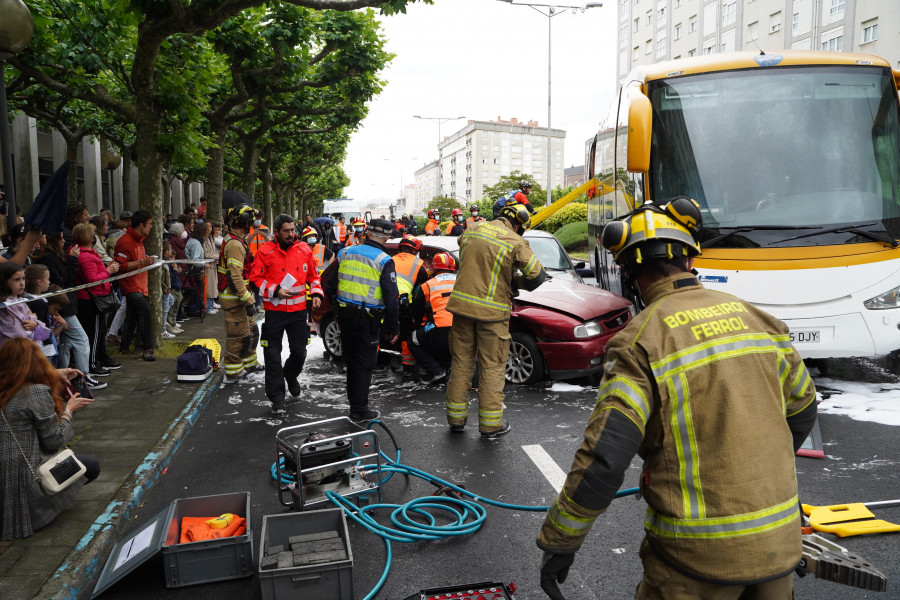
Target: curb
x=79, y=571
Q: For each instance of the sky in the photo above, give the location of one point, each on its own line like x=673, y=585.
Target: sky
x=481, y=59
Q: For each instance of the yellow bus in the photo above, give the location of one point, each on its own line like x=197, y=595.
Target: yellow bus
x=795, y=160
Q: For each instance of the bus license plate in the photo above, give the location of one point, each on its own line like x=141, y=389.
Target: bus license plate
x=806, y=336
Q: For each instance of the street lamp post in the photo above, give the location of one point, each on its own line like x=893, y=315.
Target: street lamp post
x=439, y=121
x=16, y=30
x=552, y=11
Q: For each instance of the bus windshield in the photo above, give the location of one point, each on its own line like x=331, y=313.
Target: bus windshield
x=765, y=150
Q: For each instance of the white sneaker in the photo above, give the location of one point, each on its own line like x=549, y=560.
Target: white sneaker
x=216, y=305
x=211, y=312
x=167, y=336
x=171, y=329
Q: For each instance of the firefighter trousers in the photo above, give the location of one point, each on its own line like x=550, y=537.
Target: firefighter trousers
x=431, y=349
x=360, y=334
x=278, y=323
x=488, y=343
x=241, y=337
x=661, y=582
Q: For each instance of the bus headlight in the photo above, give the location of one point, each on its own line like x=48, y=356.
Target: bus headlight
x=589, y=329
x=889, y=299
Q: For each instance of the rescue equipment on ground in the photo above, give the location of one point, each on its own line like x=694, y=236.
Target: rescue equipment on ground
x=195, y=363
x=845, y=520
x=223, y=520
x=199, y=529
x=485, y=590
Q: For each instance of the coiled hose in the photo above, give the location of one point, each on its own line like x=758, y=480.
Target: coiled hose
x=466, y=516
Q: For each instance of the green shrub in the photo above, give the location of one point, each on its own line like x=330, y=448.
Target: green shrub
x=573, y=235
x=572, y=213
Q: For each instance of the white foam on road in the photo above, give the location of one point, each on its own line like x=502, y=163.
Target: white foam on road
x=546, y=465
x=567, y=387
x=873, y=402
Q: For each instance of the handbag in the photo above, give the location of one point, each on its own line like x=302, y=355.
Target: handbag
x=106, y=303
x=56, y=473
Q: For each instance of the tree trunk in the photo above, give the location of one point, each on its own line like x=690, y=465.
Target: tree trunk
x=267, y=194
x=248, y=165
x=72, y=181
x=215, y=172
x=166, y=194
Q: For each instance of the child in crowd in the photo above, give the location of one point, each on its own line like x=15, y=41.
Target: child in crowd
x=17, y=320
x=165, y=276
x=37, y=282
x=170, y=324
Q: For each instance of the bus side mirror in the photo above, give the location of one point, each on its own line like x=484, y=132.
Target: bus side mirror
x=640, y=120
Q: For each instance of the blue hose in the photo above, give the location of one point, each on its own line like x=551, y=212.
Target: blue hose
x=466, y=515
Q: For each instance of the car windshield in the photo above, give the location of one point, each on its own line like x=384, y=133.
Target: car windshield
x=549, y=251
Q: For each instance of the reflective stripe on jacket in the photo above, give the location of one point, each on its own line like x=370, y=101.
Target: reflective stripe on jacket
x=431, y=227
x=272, y=264
x=235, y=262
x=258, y=238
x=703, y=386
x=472, y=220
x=407, y=267
x=359, y=274
x=489, y=254
x=319, y=255
x=437, y=292
x=342, y=232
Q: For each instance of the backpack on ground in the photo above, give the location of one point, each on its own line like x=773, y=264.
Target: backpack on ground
x=195, y=364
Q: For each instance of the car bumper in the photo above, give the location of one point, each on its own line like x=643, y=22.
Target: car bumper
x=568, y=360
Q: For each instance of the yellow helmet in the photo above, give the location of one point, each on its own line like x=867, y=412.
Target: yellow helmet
x=241, y=216
x=517, y=214
x=655, y=232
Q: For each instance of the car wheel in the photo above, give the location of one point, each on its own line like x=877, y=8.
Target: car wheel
x=524, y=365
x=331, y=336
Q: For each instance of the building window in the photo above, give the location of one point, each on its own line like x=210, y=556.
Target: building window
x=623, y=35
x=870, y=33
x=692, y=25
x=753, y=31
x=775, y=22
x=635, y=53
x=708, y=49
x=678, y=31
x=649, y=17
x=729, y=10
x=835, y=44
x=661, y=47
x=691, y=53
x=837, y=10
x=648, y=47
x=677, y=3
x=795, y=23
x=661, y=17
x=636, y=25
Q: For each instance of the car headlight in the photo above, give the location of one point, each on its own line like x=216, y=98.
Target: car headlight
x=889, y=299
x=589, y=329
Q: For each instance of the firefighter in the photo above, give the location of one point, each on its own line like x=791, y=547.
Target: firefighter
x=430, y=343
x=489, y=256
x=433, y=226
x=235, y=296
x=365, y=292
x=285, y=304
x=321, y=253
x=411, y=272
x=519, y=196
x=456, y=226
x=709, y=391
x=474, y=211
x=355, y=235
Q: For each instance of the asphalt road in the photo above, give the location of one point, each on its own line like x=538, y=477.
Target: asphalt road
x=231, y=449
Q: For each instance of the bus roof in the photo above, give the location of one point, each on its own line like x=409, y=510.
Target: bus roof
x=730, y=61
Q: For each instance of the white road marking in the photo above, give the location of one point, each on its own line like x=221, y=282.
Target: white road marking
x=546, y=465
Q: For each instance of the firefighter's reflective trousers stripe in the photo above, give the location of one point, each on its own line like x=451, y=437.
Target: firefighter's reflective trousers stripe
x=661, y=582
x=488, y=343
x=241, y=337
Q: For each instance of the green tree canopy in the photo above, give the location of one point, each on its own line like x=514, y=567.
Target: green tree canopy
x=537, y=197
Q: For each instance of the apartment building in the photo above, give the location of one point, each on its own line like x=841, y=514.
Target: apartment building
x=481, y=152
x=655, y=30
x=427, y=187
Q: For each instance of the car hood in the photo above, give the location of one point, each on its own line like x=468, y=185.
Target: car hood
x=580, y=300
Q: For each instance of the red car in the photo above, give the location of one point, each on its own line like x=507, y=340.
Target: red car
x=559, y=330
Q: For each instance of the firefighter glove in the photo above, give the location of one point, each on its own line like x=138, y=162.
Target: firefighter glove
x=429, y=327
x=251, y=310
x=554, y=570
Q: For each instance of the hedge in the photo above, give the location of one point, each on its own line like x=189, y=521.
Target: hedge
x=572, y=235
x=572, y=213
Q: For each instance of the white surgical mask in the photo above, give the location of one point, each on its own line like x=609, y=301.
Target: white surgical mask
x=218, y=240
x=358, y=229
x=474, y=213
x=257, y=222
x=311, y=241
x=184, y=234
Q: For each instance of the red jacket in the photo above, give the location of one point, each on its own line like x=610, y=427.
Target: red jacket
x=130, y=248
x=91, y=268
x=270, y=266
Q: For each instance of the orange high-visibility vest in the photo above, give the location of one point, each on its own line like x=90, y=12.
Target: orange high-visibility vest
x=342, y=232
x=407, y=266
x=472, y=220
x=431, y=226
x=437, y=292
x=319, y=254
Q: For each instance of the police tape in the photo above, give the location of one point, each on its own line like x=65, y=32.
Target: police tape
x=84, y=286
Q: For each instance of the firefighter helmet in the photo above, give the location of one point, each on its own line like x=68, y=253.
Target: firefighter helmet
x=410, y=242
x=516, y=214
x=474, y=209
x=524, y=184
x=241, y=216
x=357, y=222
x=456, y=214
x=434, y=214
x=655, y=232
x=309, y=231
x=443, y=261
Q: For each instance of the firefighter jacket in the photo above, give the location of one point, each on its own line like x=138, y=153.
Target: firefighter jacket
x=322, y=255
x=270, y=266
x=235, y=265
x=366, y=279
x=432, y=227
x=489, y=255
x=410, y=272
x=430, y=301
x=130, y=248
x=709, y=391
x=454, y=228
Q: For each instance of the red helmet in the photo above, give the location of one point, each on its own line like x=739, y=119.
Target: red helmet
x=308, y=231
x=456, y=212
x=357, y=222
x=443, y=261
x=434, y=213
x=411, y=242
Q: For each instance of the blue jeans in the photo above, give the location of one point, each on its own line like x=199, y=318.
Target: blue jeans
x=167, y=301
x=74, y=341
